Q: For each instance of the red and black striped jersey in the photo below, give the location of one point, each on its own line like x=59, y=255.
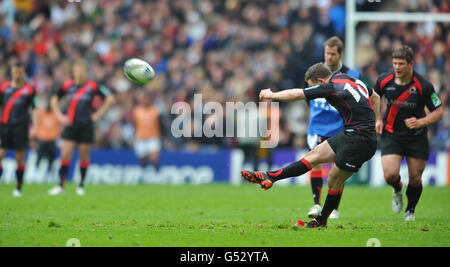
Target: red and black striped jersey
x=79, y=97
x=351, y=98
x=406, y=101
x=16, y=103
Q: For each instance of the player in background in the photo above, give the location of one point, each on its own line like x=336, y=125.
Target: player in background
x=146, y=120
x=404, y=127
x=78, y=119
x=349, y=149
x=16, y=99
x=325, y=121
x=46, y=130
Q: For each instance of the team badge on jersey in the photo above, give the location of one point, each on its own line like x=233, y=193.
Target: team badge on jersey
x=412, y=90
x=435, y=99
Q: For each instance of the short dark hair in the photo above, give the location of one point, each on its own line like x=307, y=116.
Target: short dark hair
x=335, y=41
x=18, y=63
x=317, y=71
x=405, y=52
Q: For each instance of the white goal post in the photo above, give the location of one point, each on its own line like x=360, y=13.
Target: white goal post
x=353, y=17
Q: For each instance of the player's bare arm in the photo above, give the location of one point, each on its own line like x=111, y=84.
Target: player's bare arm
x=109, y=101
x=54, y=104
x=379, y=124
x=432, y=118
x=285, y=95
x=376, y=102
x=34, y=121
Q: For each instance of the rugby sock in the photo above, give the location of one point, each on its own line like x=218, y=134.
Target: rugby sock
x=143, y=162
x=413, y=193
x=293, y=170
x=156, y=165
x=19, y=175
x=63, y=170
x=396, y=184
x=316, y=185
x=331, y=203
x=84, y=165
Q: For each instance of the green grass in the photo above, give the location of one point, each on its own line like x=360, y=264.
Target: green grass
x=214, y=215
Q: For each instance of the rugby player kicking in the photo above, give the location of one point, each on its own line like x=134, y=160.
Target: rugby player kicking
x=325, y=121
x=359, y=108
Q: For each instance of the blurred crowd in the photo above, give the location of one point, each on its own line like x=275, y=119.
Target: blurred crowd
x=226, y=50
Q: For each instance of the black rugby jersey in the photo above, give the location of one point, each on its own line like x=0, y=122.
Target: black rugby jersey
x=406, y=101
x=351, y=98
x=79, y=108
x=16, y=102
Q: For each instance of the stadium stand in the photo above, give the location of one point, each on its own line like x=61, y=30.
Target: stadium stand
x=227, y=50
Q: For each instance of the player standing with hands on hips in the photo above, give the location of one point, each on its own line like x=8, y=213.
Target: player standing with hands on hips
x=404, y=127
x=78, y=119
x=348, y=150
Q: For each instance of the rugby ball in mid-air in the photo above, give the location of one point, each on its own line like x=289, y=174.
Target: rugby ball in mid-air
x=138, y=71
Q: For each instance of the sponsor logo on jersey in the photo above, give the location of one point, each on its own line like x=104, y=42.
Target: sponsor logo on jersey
x=401, y=104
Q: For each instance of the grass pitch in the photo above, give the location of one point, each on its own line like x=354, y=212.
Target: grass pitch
x=215, y=215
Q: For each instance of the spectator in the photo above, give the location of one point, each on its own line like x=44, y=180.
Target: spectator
x=225, y=50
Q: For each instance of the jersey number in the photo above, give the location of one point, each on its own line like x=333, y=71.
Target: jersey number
x=362, y=88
